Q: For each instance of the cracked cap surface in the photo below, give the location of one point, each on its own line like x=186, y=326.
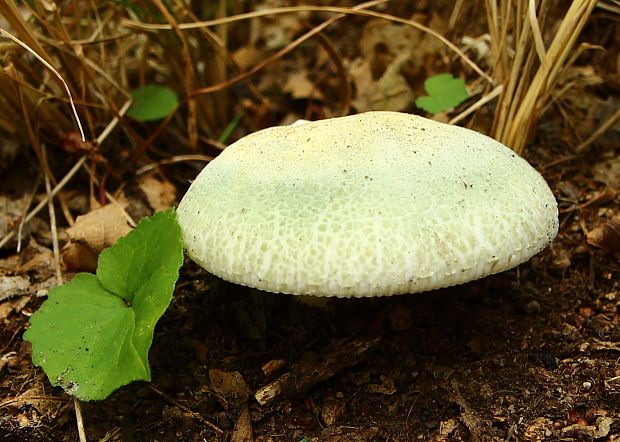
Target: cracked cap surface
x=374, y=204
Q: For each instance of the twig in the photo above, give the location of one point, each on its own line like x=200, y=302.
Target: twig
x=79, y=419
x=44, y=201
x=53, y=227
x=20, y=229
x=598, y=132
x=61, y=184
x=304, y=374
x=478, y=104
x=187, y=410
x=172, y=160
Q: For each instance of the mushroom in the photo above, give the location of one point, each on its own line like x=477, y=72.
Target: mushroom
x=374, y=204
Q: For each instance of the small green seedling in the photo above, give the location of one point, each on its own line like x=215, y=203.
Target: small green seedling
x=444, y=92
x=152, y=102
x=93, y=334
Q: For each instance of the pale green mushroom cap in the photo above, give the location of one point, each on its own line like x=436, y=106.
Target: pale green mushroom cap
x=375, y=204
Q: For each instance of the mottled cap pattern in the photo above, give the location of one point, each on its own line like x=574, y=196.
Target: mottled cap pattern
x=374, y=204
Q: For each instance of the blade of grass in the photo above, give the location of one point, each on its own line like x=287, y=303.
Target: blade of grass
x=6, y=34
x=361, y=9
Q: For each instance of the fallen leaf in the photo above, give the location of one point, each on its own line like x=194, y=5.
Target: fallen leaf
x=12, y=285
x=99, y=228
x=41, y=262
x=385, y=387
x=382, y=42
x=275, y=32
x=44, y=405
x=13, y=305
x=599, y=430
x=331, y=411
x=243, y=428
x=78, y=257
x=390, y=92
x=5, y=310
x=608, y=172
x=247, y=56
x=229, y=384
x=606, y=236
x=160, y=194
x=300, y=86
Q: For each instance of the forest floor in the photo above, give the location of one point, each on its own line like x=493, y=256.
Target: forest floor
x=529, y=354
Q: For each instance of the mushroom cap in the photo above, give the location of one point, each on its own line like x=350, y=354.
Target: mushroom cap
x=374, y=204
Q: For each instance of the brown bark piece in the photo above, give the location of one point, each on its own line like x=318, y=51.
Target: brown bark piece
x=310, y=371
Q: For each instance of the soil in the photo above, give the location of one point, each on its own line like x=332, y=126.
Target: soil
x=529, y=354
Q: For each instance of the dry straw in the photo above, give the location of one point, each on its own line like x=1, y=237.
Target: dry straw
x=528, y=71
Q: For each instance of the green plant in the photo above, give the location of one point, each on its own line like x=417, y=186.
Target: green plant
x=444, y=92
x=92, y=335
x=152, y=102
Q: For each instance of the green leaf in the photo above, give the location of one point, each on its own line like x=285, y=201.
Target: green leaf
x=444, y=92
x=152, y=103
x=143, y=268
x=82, y=337
x=92, y=335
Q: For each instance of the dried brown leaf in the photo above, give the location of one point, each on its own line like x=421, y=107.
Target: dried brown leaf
x=606, y=236
x=99, y=228
x=300, y=86
x=243, y=428
x=390, y=92
x=159, y=193
x=12, y=285
x=79, y=258
x=229, y=384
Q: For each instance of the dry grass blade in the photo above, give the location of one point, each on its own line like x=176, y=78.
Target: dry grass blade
x=598, y=132
x=527, y=87
x=52, y=194
x=53, y=226
x=282, y=52
x=80, y=420
x=189, y=77
x=6, y=34
x=69, y=175
x=536, y=34
x=345, y=84
x=478, y=104
x=29, y=40
x=361, y=9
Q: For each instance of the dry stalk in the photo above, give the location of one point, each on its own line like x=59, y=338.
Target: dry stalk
x=531, y=74
x=361, y=9
x=69, y=175
x=189, y=75
x=6, y=34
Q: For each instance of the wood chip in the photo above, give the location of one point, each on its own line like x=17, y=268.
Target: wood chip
x=310, y=371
